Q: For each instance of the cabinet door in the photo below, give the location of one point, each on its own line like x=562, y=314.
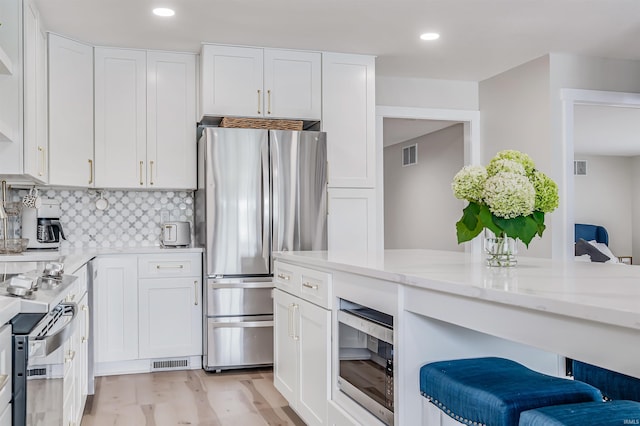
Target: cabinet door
x=292, y=84
x=171, y=120
x=116, y=309
x=34, y=79
x=314, y=339
x=352, y=221
x=170, y=317
x=70, y=112
x=348, y=105
x=231, y=81
x=285, y=347
x=82, y=357
x=120, y=118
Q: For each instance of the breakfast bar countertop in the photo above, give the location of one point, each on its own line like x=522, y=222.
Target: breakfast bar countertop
x=605, y=293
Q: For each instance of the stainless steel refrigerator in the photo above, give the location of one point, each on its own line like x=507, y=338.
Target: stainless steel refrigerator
x=259, y=191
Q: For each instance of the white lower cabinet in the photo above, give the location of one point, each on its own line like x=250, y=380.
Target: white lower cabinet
x=116, y=308
x=148, y=307
x=301, y=355
x=169, y=317
x=5, y=375
x=337, y=417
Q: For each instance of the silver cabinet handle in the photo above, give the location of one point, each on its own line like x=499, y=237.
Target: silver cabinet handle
x=90, y=172
x=309, y=285
x=290, y=312
x=284, y=277
x=195, y=291
x=269, y=101
x=259, y=110
x=151, y=172
x=296, y=318
x=70, y=356
x=141, y=167
x=85, y=338
x=169, y=266
x=42, y=161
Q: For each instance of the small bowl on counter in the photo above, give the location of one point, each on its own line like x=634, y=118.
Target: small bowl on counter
x=13, y=245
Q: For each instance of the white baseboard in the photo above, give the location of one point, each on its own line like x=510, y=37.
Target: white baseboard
x=136, y=366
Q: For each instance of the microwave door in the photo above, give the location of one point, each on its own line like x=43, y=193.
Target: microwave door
x=237, y=217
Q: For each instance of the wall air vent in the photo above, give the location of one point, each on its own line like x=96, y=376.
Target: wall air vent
x=580, y=167
x=410, y=155
x=169, y=364
x=37, y=372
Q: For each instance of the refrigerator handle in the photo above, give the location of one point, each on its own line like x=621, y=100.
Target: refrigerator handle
x=266, y=204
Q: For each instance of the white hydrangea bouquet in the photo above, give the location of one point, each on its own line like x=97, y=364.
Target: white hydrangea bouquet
x=509, y=197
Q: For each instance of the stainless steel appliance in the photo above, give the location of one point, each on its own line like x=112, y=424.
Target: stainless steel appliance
x=175, y=234
x=44, y=324
x=259, y=191
x=42, y=225
x=365, y=369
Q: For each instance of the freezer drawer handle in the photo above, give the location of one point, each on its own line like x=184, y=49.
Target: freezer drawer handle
x=243, y=324
x=284, y=277
x=169, y=266
x=309, y=285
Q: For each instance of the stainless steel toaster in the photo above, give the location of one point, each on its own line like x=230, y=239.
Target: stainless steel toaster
x=175, y=234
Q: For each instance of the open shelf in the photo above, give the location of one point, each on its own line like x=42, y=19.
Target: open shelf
x=6, y=66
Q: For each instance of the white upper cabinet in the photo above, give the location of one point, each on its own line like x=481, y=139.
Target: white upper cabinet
x=292, y=84
x=256, y=82
x=71, y=160
x=23, y=132
x=120, y=118
x=348, y=117
x=36, y=144
x=171, y=120
x=145, y=119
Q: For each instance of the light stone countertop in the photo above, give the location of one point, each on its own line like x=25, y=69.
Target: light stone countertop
x=72, y=259
x=605, y=293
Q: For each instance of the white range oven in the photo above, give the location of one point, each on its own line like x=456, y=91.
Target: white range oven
x=365, y=371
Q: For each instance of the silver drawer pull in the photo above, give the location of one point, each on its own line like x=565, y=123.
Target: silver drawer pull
x=309, y=285
x=169, y=266
x=284, y=277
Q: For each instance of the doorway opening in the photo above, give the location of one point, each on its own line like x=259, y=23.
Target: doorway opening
x=416, y=207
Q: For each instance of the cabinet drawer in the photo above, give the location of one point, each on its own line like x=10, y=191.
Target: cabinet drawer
x=170, y=265
x=286, y=277
x=315, y=287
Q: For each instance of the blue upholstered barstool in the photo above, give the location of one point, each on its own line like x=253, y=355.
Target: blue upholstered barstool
x=623, y=390
x=494, y=391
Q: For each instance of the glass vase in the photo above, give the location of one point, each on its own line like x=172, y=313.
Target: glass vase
x=500, y=251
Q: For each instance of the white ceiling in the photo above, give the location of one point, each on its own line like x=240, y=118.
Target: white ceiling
x=397, y=130
x=480, y=38
x=606, y=130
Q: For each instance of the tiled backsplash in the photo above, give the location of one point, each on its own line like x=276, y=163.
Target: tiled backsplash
x=132, y=218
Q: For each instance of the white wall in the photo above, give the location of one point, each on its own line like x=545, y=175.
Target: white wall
x=420, y=210
x=635, y=216
x=515, y=114
x=605, y=196
x=426, y=93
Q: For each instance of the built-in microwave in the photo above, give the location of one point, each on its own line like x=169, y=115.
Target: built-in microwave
x=365, y=368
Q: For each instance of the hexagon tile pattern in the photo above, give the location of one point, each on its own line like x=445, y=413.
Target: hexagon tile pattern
x=131, y=219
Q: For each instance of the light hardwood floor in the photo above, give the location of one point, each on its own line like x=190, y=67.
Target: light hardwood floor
x=190, y=397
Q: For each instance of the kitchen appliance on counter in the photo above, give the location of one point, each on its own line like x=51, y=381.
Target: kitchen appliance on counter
x=42, y=225
x=45, y=323
x=175, y=234
x=259, y=191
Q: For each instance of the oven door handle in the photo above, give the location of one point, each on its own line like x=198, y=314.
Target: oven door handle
x=57, y=339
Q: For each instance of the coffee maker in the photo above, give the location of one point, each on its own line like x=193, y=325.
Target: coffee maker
x=42, y=225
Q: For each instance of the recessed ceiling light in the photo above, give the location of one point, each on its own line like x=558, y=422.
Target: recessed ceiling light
x=429, y=36
x=163, y=11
